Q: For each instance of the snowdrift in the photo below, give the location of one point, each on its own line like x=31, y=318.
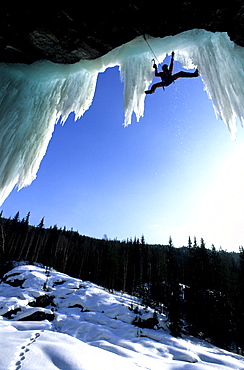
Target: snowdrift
x=90, y=329
x=34, y=97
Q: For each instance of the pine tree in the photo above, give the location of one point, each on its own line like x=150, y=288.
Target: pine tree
x=175, y=310
x=240, y=303
x=189, y=243
x=174, y=306
x=41, y=224
x=2, y=242
x=27, y=219
x=16, y=218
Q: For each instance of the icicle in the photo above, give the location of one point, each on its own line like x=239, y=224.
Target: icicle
x=33, y=98
x=136, y=77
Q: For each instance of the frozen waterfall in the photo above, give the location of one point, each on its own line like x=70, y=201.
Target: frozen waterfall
x=34, y=97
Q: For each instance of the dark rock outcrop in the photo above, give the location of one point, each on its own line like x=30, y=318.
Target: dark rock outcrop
x=149, y=323
x=38, y=316
x=10, y=314
x=74, y=31
x=42, y=301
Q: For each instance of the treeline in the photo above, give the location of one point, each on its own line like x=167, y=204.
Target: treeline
x=201, y=290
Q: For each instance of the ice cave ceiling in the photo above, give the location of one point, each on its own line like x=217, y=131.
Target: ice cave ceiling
x=72, y=31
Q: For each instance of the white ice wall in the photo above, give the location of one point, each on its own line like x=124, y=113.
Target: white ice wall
x=33, y=98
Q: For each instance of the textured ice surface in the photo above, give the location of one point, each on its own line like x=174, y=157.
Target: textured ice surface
x=34, y=97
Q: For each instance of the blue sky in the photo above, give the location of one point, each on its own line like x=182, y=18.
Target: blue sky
x=176, y=172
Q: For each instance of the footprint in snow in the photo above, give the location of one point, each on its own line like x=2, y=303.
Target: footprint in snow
x=24, y=349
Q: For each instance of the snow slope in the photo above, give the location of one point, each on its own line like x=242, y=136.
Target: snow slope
x=90, y=329
x=34, y=97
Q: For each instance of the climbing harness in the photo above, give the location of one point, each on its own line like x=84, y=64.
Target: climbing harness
x=144, y=36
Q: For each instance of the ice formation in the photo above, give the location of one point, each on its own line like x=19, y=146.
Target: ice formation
x=34, y=97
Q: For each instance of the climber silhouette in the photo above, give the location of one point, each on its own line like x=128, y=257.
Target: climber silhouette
x=167, y=77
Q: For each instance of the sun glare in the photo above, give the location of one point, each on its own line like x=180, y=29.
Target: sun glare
x=221, y=210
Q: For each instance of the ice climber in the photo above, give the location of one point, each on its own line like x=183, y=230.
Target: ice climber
x=167, y=77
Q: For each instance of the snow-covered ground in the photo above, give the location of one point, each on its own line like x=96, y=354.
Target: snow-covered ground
x=59, y=322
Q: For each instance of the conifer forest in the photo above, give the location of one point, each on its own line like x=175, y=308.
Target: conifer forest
x=201, y=290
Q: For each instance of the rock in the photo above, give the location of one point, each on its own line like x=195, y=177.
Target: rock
x=42, y=301
x=10, y=314
x=35, y=314
x=77, y=306
x=149, y=323
x=15, y=282
x=38, y=316
x=66, y=34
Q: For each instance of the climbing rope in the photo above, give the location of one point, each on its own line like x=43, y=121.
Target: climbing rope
x=144, y=36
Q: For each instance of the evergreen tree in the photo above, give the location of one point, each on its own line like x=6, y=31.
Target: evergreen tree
x=2, y=243
x=174, y=306
x=41, y=224
x=240, y=304
x=175, y=310
x=16, y=218
x=189, y=242
x=212, y=303
x=27, y=219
